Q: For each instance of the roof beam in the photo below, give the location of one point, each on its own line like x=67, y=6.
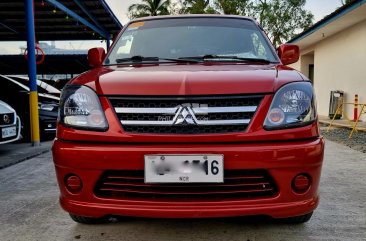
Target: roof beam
x=87, y=12
x=105, y=5
x=78, y=18
x=8, y=27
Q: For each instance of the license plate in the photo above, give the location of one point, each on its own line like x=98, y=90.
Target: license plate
x=184, y=168
x=9, y=132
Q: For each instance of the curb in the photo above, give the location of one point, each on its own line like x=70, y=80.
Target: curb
x=341, y=125
x=25, y=158
x=20, y=152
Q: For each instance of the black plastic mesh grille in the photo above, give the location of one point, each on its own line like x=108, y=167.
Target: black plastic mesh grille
x=186, y=129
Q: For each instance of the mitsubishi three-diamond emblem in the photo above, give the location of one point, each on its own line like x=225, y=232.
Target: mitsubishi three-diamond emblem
x=185, y=116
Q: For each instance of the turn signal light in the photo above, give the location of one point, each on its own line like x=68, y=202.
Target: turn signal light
x=276, y=116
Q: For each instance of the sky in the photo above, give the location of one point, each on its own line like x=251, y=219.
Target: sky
x=319, y=8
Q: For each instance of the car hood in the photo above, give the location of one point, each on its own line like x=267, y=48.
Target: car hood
x=5, y=108
x=193, y=79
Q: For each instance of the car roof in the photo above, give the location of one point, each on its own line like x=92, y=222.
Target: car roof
x=26, y=88
x=191, y=16
x=40, y=83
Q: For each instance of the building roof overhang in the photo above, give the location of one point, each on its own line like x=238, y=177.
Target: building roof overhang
x=332, y=24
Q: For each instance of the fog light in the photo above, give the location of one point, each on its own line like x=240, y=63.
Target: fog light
x=301, y=183
x=73, y=183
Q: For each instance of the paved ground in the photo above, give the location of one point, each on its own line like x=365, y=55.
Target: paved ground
x=16, y=152
x=33, y=213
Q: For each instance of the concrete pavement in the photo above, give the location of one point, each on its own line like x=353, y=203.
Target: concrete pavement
x=29, y=210
x=13, y=153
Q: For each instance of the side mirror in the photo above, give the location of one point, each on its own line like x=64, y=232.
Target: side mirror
x=288, y=53
x=96, y=57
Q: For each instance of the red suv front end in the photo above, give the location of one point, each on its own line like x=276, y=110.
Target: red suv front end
x=208, y=128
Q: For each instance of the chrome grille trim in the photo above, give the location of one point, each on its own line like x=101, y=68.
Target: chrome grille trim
x=185, y=114
x=196, y=110
x=200, y=123
x=193, y=111
x=229, y=109
x=120, y=110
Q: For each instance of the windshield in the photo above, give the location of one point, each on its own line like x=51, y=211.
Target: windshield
x=184, y=38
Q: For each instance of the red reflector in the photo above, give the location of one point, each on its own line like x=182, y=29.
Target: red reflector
x=301, y=183
x=73, y=183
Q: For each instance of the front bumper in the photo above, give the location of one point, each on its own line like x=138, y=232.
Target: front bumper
x=283, y=160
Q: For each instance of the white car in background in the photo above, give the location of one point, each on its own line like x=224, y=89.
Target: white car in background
x=9, y=124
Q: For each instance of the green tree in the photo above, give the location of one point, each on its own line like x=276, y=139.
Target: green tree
x=149, y=8
x=345, y=2
x=282, y=20
x=233, y=7
x=196, y=7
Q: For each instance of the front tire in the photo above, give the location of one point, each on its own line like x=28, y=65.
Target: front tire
x=86, y=220
x=298, y=219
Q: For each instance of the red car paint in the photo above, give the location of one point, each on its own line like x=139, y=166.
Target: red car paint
x=283, y=153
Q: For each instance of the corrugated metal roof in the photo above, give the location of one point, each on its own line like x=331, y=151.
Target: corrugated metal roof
x=52, y=23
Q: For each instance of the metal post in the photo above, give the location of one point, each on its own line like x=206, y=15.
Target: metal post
x=355, y=109
x=32, y=73
x=108, y=41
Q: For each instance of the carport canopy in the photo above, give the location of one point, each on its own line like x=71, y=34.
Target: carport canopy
x=55, y=21
x=44, y=20
x=59, y=20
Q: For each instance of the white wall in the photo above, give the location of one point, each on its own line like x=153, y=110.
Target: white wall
x=339, y=64
x=306, y=60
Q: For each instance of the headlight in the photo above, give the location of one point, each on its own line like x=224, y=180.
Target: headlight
x=80, y=108
x=293, y=105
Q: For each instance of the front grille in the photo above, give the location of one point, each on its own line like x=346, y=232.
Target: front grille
x=7, y=119
x=238, y=184
x=185, y=115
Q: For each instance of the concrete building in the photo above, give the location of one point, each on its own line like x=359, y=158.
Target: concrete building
x=333, y=55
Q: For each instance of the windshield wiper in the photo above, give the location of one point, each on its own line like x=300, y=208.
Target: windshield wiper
x=141, y=59
x=137, y=58
x=211, y=57
x=194, y=59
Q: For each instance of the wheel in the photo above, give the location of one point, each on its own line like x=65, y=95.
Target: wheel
x=298, y=219
x=86, y=220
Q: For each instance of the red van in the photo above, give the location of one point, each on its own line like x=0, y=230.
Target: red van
x=189, y=117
